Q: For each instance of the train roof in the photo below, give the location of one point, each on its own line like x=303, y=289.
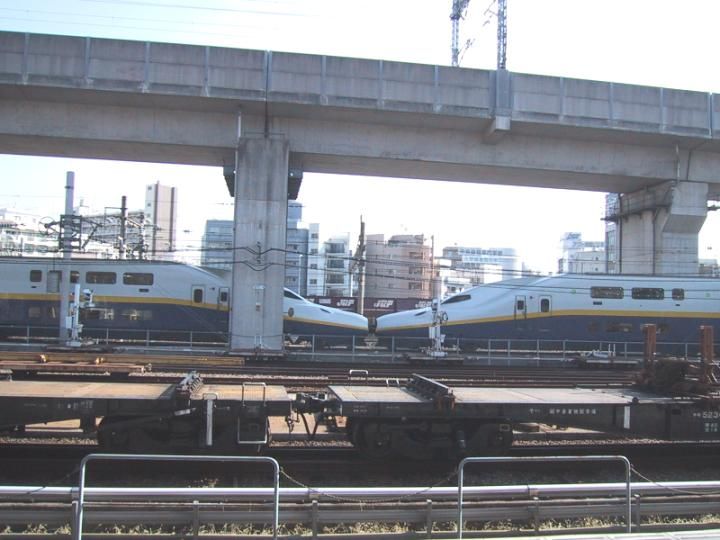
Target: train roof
x=585, y=279
x=115, y=264
x=87, y=260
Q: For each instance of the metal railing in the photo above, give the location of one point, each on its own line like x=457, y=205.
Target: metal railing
x=78, y=518
x=490, y=459
x=489, y=350
x=51, y=505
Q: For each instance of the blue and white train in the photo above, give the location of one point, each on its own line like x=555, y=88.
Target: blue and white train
x=570, y=307
x=138, y=295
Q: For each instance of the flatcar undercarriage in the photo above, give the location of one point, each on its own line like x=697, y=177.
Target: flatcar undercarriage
x=430, y=439
x=422, y=420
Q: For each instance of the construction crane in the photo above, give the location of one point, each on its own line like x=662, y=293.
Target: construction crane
x=502, y=34
x=459, y=10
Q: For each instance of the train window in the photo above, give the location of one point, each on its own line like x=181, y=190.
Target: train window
x=290, y=294
x=35, y=276
x=98, y=314
x=137, y=278
x=34, y=312
x=223, y=296
x=520, y=305
x=74, y=276
x=544, y=305
x=136, y=314
x=606, y=292
x=678, y=294
x=457, y=298
x=198, y=296
x=647, y=293
x=625, y=328
x=106, y=278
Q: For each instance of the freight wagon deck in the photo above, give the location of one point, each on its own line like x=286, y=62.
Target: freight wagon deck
x=145, y=416
x=426, y=418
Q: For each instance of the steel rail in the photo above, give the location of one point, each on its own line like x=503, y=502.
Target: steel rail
x=67, y=494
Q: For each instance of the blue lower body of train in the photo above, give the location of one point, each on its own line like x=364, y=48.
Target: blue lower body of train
x=592, y=328
x=132, y=320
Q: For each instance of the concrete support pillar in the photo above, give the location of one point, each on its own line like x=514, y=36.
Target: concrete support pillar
x=256, y=313
x=659, y=228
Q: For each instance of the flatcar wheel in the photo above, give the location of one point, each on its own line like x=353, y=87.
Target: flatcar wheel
x=111, y=437
x=117, y=433
x=376, y=442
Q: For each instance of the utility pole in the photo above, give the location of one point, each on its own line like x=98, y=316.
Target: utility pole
x=66, y=247
x=434, y=285
x=360, y=262
x=459, y=8
x=123, y=227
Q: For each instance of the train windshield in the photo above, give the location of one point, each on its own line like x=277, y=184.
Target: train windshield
x=457, y=298
x=290, y=294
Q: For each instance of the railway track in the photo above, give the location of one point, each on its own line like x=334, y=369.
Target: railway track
x=75, y=366
x=54, y=465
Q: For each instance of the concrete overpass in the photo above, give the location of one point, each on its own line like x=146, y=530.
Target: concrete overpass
x=260, y=113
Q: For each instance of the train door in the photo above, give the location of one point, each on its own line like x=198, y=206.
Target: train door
x=223, y=298
x=197, y=294
x=53, y=281
x=545, y=311
x=520, y=311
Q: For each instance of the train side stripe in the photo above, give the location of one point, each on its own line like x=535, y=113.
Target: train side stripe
x=568, y=313
x=100, y=299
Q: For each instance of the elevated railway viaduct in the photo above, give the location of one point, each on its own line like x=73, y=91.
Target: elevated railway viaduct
x=266, y=117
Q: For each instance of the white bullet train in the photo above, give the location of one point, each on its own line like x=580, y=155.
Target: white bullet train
x=130, y=295
x=570, y=307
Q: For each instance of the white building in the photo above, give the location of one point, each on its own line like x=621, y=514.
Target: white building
x=161, y=220
x=337, y=260
x=446, y=280
x=315, y=263
x=479, y=263
x=25, y=234
x=581, y=257
x=22, y=233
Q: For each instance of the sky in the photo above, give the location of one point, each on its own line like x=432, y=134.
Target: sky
x=649, y=42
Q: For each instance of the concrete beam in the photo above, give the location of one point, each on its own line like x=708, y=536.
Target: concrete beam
x=144, y=101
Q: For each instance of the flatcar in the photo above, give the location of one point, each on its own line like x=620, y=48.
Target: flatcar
x=570, y=307
x=422, y=420
x=133, y=295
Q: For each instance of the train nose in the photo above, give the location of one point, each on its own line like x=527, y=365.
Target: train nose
x=402, y=320
x=355, y=321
